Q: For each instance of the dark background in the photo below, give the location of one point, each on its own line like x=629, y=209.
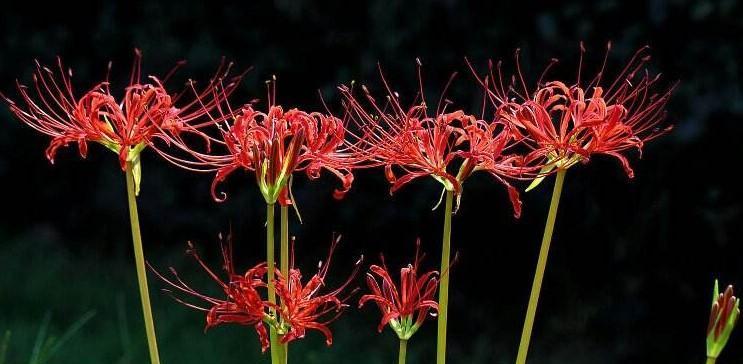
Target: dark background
x=632, y=263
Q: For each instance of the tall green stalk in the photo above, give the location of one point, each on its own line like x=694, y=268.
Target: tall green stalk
x=444, y=284
x=710, y=361
x=284, y=241
x=536, y=286
x=284, y=251
x=270, y=265
x=403, y=351
x=144, y=291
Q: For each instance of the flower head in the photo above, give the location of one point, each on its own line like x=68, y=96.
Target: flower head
x=722, y=319
x=242, y=304
x=566, y=124
x=125, y=126
x=410, y=142
x=273, y=145
x=404, y=307
x=302, y=305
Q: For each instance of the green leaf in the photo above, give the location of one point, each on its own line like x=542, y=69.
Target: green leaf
x=57, y=344
x=266, y=191
x=45, y=347
x=137, y=172
x=542, y=174
x=40, y=338
x=134, y=158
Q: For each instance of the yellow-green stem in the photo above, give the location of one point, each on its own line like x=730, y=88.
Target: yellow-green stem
x=444, y=284
x=536, y=286
x=285, y=264
x=284, y=240
x=711, y=360
x=144, y=291
x=270, y=265
x=403, y=351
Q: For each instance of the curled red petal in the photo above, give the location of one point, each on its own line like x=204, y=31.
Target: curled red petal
x=262, y=336
x=219, y=177
x=513, y=195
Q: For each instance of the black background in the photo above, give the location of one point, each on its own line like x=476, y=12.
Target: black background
x=632, y=262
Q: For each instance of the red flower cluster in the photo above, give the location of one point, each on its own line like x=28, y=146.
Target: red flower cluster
x=273, y=145
x=404, y=308
x=409, y=139
x=530, y=133
x=126, y=125
x=563, y=125
x=302, y=306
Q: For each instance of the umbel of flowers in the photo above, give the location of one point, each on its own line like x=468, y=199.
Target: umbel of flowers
x=522, y=135
x=304, y=306
x=404, y=306
x=126, y=122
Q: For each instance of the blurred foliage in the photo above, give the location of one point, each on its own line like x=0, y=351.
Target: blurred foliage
x=4, y=347
x=46, y=346
x=631, y=261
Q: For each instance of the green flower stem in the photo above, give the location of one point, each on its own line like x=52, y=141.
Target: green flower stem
x=284, y=241
x=144, y=291
x=536, y=286
x=444, y=283
x=711, y=360
x=285, y=263
x=270, y=265
x=403, y=351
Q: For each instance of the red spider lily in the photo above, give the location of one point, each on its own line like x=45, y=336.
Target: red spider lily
x=567, y=124
x=723, y=317
x=404, y=308
x=303, y=307
x=410, y=140
x=273, y=145
x=243, y=304
x=125, y=126
x=487, y=150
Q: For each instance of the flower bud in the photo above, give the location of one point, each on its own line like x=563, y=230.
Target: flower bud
x=723, y=317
